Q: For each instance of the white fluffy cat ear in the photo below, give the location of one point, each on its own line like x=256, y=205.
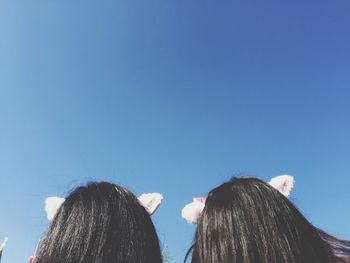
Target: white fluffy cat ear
x=52, y=204
x=192, y=211
x=283, y=183
x=150, y=202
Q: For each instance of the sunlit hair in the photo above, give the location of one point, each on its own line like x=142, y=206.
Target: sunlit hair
x=100, y=223
x=247, y=221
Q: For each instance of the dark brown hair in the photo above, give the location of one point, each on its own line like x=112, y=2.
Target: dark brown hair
x=100, y=223
x=246, y=220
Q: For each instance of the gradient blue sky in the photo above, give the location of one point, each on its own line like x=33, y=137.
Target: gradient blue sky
x=175, y=97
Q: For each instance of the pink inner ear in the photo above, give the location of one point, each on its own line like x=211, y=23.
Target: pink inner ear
x=199, y=199
x=282, y=187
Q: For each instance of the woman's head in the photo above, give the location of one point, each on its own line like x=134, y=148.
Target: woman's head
x=247, y=220
x=100, y=222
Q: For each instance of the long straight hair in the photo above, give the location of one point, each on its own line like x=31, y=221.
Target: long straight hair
x=246, y=220
x=100, y=223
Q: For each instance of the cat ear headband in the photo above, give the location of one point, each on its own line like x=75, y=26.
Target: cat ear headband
x=150, y=202
x=191, y=212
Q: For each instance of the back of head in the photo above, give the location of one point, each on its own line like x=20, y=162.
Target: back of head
x=100, y=222
x=247, y=220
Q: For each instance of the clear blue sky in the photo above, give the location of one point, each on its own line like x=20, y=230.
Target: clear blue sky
x=174, y=97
